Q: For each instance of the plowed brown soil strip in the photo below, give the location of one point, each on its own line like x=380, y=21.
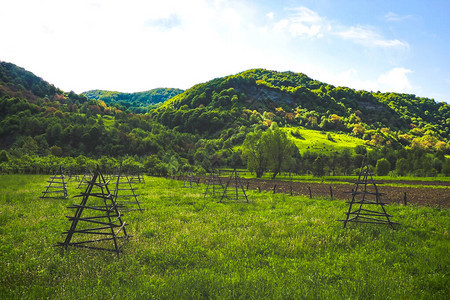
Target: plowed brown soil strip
x=418, y=196
x=439, y=197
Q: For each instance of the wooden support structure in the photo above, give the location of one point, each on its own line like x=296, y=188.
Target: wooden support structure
x=97, y=222
x=189, y=179
x=87, y=177
x=234, y=186
x=56, y=187
x=124, y=194
x=136, y=177
x=366, y=194
x=214, y=186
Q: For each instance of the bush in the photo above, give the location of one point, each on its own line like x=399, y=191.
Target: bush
x=4, y=156
x=383, y=167
x=446, y=167
x=402, y=166
x=56, y=151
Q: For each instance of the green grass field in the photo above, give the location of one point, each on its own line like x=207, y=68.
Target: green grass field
x=317, y=141
x=185, y=246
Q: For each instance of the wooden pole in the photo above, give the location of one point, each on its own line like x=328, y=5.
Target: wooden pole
x=331, y=192
x=310, y=194
x=404, y=198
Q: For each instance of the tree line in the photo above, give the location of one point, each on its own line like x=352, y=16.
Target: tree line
x=233, y=121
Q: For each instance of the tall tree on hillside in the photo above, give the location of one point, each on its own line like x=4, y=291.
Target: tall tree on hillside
x=254, y=151
x=279, y=150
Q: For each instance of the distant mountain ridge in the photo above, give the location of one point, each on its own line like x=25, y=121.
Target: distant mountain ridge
x=139, y=102
x=17, y=80
x=296, y=99
x=36, y=116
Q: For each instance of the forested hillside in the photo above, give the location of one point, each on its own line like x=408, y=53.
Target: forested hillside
x=140, y=102
x=41, y=126
x=258, y=96
x=37, y=120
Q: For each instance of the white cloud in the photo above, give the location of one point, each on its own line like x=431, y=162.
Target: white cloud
x=305, y=22
x=306, y=15
x=351, y=78
x=368, y=37
x=396, y=80
x=164, y=23
x=299, y=29
x=141, y=44
x=128, y=46
x=281, y=25
x=393, y=17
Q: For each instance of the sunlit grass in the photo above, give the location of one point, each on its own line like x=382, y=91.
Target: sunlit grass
x=187, y=246
x=317, y=141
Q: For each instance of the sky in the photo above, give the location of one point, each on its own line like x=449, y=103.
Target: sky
x=137, y=45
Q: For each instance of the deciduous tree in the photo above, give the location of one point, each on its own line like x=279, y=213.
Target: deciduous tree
x=279, y=149
x=253, y=150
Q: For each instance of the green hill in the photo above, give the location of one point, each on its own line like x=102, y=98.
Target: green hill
x=210, y=121
x=16, y=81
x=260, y=97
x=38, y=119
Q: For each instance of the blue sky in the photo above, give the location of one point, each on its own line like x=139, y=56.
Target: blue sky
x=137, y=45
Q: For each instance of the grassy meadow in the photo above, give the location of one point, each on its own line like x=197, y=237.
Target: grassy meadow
x=317, y=141
x=185, y=246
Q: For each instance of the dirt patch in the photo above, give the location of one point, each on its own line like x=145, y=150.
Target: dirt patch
x=409, y=182
x=418, y=196
x=439, y=197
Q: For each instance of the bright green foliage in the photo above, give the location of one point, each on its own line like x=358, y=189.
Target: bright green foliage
x=279, y=149
x=254, y=152
x=185, y=246
x=268, y=150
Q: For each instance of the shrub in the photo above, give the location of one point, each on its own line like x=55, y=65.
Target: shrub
x=383, y=167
